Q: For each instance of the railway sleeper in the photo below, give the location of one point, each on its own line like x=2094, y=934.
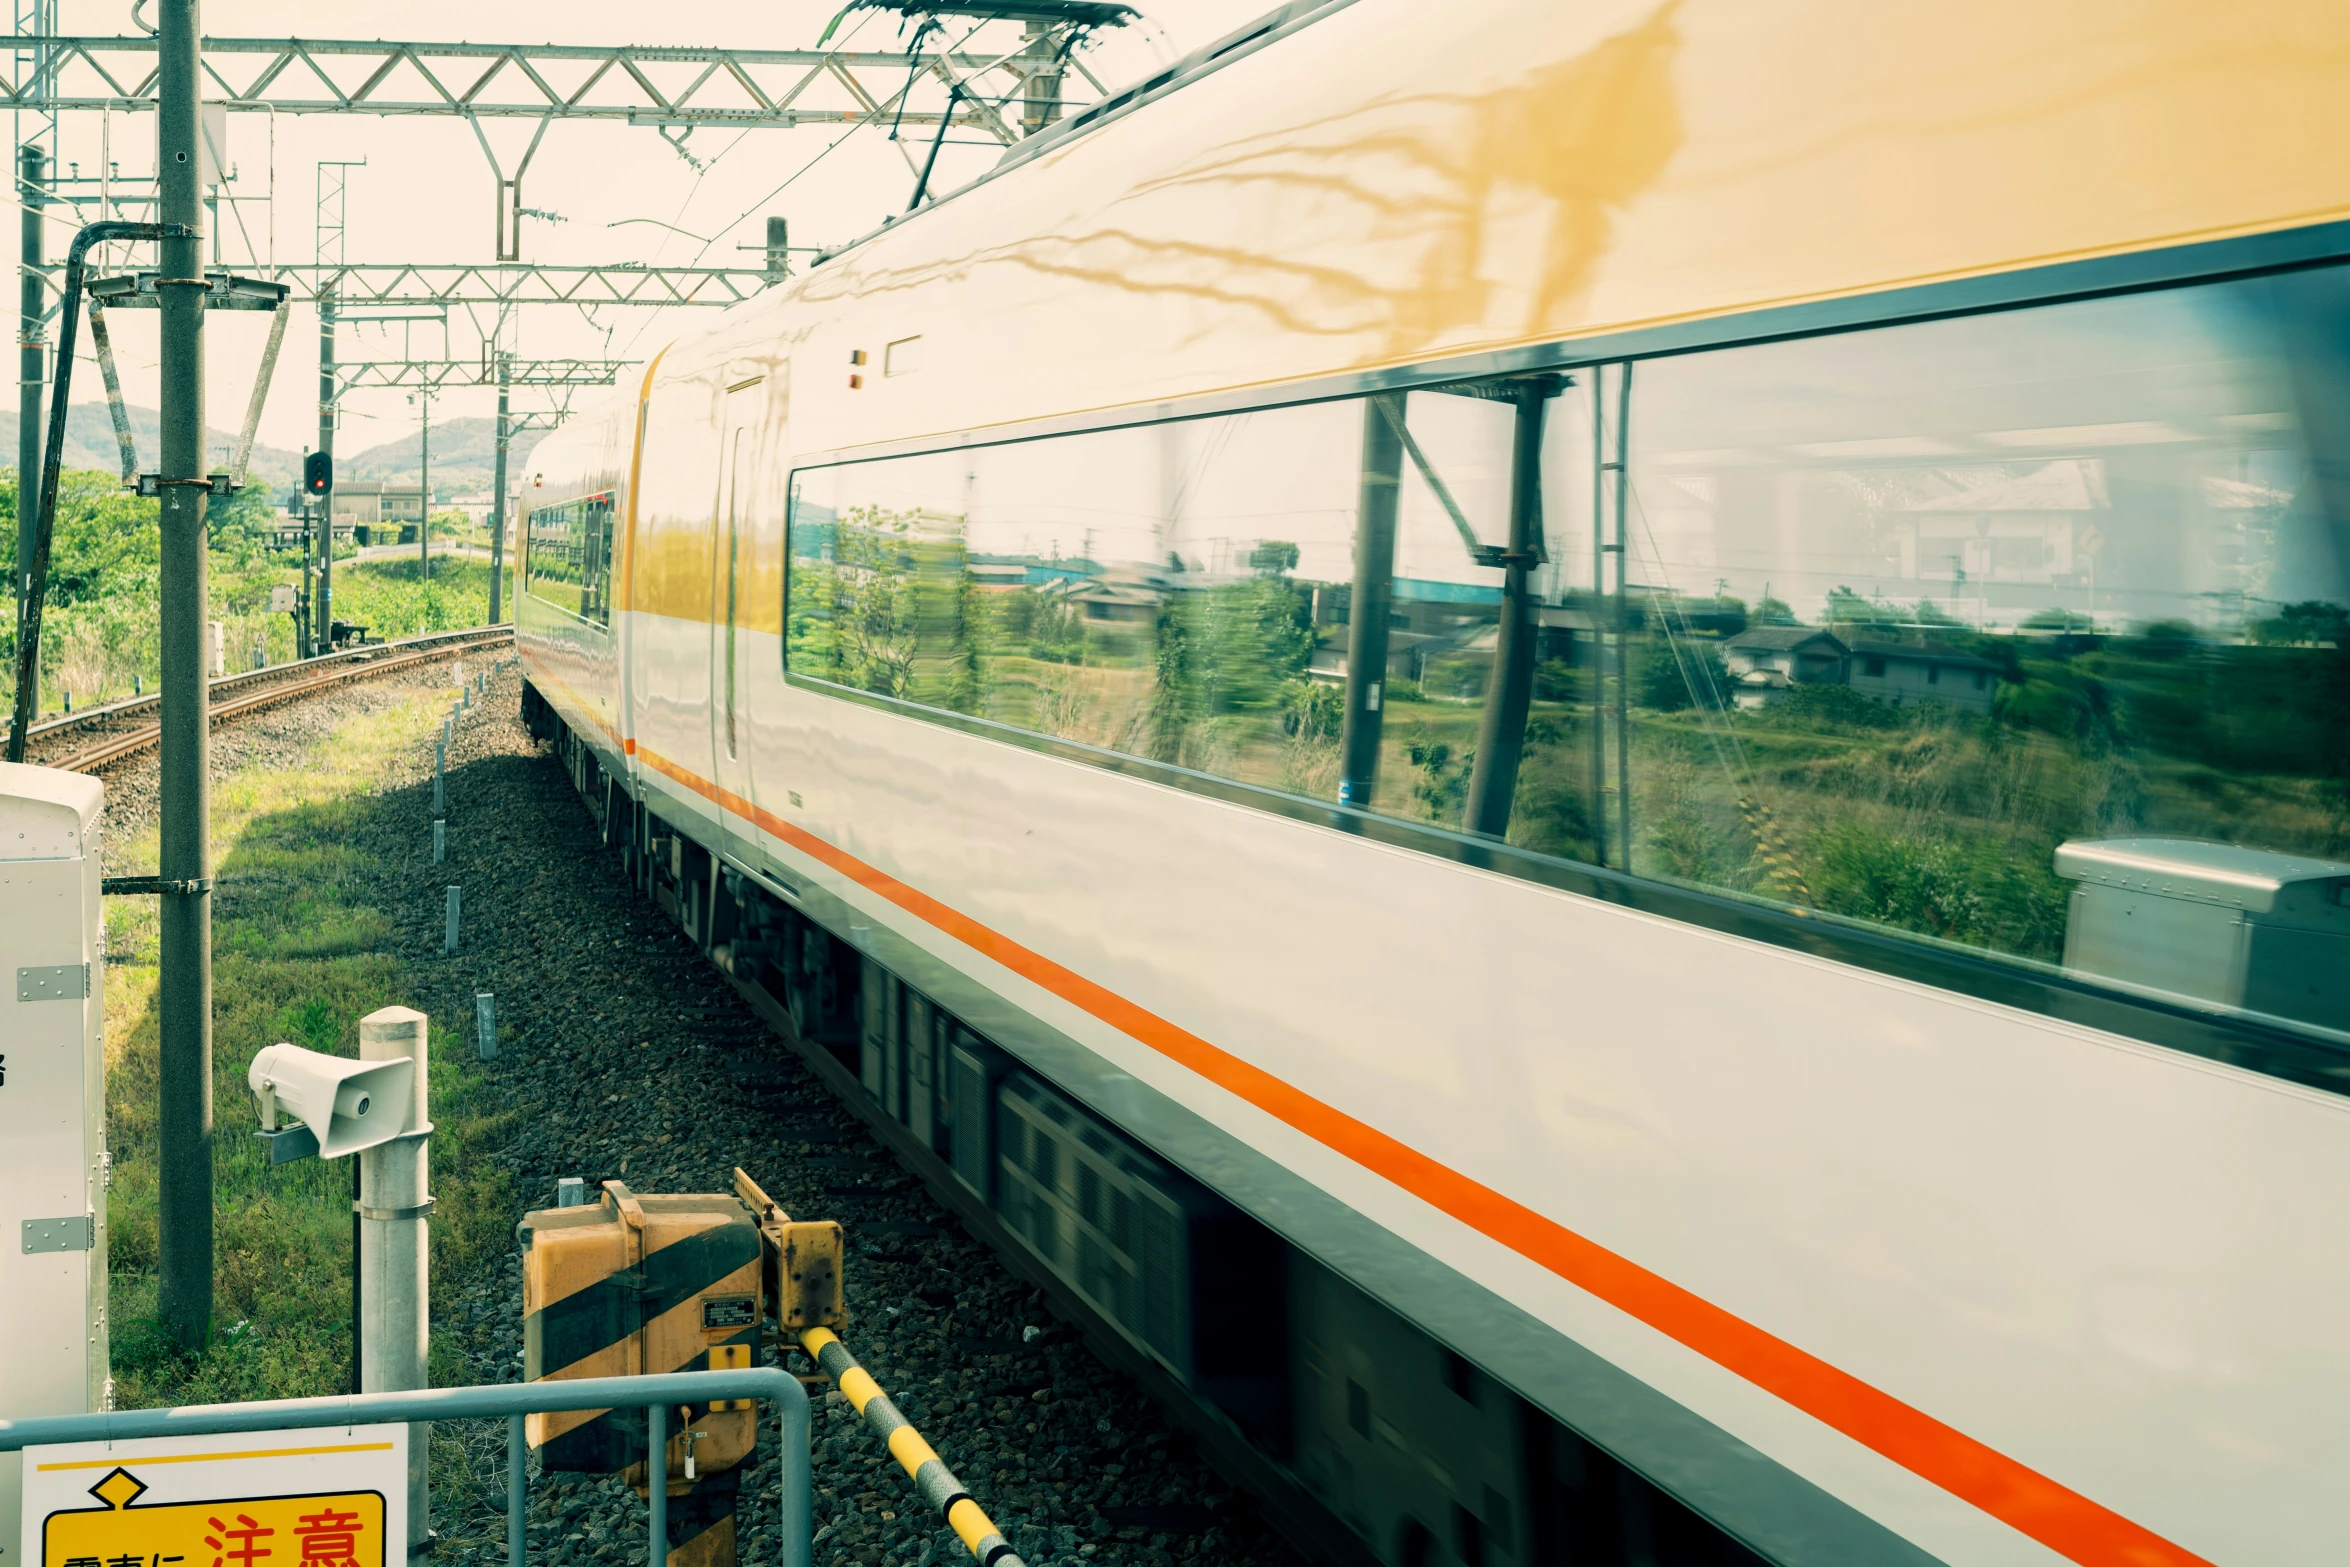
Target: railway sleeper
x=1366, y=1439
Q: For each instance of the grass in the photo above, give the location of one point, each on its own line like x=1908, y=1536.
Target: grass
x=300, y=954
x=386, y=597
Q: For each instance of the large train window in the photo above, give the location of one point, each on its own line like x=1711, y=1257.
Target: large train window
x=2026, y=634
x=1180, y=593
x=568, y=560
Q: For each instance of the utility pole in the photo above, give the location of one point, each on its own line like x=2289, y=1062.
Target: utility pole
x=322, y=633
x=498, y=500
x=424, y=490
x=184, y=995
x=328, y=211
x=31, y=368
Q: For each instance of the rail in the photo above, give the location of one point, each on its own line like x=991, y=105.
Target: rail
x=656, y=1395
x=248, y=690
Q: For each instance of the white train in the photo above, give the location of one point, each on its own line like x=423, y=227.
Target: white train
x=1595, y=755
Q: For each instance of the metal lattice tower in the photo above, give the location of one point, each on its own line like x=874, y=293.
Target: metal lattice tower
x=34, y=23
x=333, y=183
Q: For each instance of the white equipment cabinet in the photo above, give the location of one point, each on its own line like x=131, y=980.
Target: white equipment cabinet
x=2246, y=928
x=52, y=1107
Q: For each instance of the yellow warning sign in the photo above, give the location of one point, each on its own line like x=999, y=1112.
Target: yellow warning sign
x=336, y=1497
x=337, y=1529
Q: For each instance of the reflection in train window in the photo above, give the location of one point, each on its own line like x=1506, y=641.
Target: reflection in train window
x=568, y=558
x=1181, y=592
x=1917, y=617
x=1951, y=628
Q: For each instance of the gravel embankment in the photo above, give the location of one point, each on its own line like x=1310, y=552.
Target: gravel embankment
x=629, y=1057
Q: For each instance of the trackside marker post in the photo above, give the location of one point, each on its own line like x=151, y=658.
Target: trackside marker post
x=395, y=1245
x=485, y=1025
x=440, y=841
x=330, y=1107
x=449, y=939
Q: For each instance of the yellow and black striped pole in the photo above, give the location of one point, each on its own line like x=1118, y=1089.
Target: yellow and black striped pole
x=932, y=1478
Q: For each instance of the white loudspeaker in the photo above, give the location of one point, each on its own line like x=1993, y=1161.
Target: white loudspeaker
x=348, y=1105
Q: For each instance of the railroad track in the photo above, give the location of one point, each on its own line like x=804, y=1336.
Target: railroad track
x=84, y=742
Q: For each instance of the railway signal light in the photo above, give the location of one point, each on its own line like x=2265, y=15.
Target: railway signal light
x=318, y=473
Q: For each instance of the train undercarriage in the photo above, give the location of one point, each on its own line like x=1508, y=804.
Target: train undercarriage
x=1366, y=1439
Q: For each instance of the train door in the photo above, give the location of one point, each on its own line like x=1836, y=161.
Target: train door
x=730, y=563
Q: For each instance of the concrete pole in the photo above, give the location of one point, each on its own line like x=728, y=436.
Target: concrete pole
x=322, y=638
x=1367, y=606
x=424, y=491
x=1509, y=695
x=498, y=502
x=184, y=993
x=32, y=368
x=394, y=1248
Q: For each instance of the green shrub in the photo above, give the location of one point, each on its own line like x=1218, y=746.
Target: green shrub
x=2000, y=895
x=1835, y=709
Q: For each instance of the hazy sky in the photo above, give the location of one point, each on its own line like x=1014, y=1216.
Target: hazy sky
x=427, y=194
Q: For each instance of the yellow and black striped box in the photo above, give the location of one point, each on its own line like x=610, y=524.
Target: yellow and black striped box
x=635, y=1285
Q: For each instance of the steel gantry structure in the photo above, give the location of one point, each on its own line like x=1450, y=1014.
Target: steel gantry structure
x=676, y=90
x=432, y=375
x=720, y=88
x=410, y=284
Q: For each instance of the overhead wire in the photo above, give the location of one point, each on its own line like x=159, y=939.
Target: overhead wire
x=1716, y=707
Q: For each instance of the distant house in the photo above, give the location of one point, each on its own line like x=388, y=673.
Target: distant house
x=1758, y=687
x=1894, y=673
x=1000, y=575
x=1804, y=654
x=1109, y=599
x=378, y=512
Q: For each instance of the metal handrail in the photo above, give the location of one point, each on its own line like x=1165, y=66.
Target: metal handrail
x=656, y=1395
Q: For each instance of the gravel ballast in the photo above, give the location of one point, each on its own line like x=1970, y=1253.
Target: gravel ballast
x=627, y=1056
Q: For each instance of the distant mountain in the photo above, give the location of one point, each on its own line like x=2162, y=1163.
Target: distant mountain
x=463, y=451
x=89, y=443
x=464, y=456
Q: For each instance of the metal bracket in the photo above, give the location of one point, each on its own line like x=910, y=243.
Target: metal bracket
x=77, y=1232
x=58, y=982
x=393, y=1215
x=145, y=886
x=290, y=1143
x=152, y=485
x=222, y=291
x=125, y=443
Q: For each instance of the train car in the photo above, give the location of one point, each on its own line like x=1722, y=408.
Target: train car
x=1592, y=759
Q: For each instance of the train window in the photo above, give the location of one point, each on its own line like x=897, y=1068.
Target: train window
x=1181, y=592
x=1948, y=629
x=1928, y=626
x=567, y=561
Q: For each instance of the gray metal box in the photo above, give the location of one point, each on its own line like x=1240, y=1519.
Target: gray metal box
x=2241, y=927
